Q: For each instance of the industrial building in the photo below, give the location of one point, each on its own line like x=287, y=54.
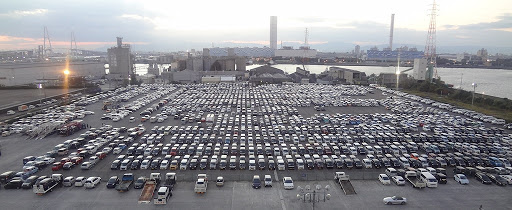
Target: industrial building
x=390, y=79
x=289, y=52
x=387, y=55
x=419, y=71
x=337, y=75
x=195, y=68
x=268, y=74
x=120, y=61
x=16, y=74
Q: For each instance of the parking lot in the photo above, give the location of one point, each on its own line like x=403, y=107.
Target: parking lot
x=359, y=130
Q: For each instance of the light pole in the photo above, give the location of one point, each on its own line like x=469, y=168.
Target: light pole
x=474, y=89
x=319, y=194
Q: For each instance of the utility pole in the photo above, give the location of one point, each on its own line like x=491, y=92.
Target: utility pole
x=474, y=89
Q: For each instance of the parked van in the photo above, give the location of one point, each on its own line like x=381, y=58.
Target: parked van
x=280, y=165
x=404, y=162
x=367, y=163
x=429, y=179
x=268, y=181
x=391, y=172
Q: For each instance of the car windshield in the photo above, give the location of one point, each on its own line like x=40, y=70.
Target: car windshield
x=462, y=177
x=288, y=181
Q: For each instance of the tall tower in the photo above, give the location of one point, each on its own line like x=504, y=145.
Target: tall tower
x=391, y=28
x=430, y=46
x=46, y=48
x=273, y=32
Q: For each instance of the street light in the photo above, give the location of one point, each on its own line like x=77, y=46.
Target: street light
x=314, y=195
x=474, y=89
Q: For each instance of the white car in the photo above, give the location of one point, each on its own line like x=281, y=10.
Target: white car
x=80, y=181
x=508, y=178
x=91, y=182
x=288, y=183
x=132, y=119
x=117, y=150
x=68, y=181
x=145, y=164
x=398, y=180
x=394, y=200
x=461, y=179
x=10, y=112
x=384, y=179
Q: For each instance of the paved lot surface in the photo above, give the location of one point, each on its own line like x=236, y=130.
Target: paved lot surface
x=237, y=192
x=240, y=195
x=13, y=97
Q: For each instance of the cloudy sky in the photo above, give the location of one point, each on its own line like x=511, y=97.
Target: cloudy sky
x=181, y=25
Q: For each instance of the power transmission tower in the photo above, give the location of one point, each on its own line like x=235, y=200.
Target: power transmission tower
x=47, y=37
x=430, y=46
x=73, y=48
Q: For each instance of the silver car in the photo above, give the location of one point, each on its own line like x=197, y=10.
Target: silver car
x=394, y=200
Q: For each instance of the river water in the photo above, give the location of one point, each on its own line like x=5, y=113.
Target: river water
x=494, y=82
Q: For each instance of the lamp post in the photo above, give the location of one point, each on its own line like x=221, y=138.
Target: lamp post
x=319, y=194
x=474, y=89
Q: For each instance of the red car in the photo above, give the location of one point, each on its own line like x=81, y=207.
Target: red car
x=57, y=166
x=173, y=151
x=101, y=155
x=65, y=160
x=77, y=160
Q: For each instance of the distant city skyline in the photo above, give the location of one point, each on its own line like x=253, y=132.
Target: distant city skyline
x=183, y=25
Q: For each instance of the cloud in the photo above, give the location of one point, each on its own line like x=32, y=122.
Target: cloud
x=23, y=13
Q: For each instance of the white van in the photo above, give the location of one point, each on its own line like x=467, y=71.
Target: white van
x=268, y=181
x=367, y=163
x=280, y=165
x=252, y=165
x=429, y=179
x=391, y=172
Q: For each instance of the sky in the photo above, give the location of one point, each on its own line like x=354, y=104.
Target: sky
x=153, y=25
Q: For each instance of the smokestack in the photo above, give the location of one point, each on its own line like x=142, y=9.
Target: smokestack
x=391, y=31
x=273, y=32
x=119, y=41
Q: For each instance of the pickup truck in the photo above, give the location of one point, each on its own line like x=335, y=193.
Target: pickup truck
x=344, y=181
x=170, y=181
x=48, y=184
x=149, y=188
x=412, y=177
x=126, y=182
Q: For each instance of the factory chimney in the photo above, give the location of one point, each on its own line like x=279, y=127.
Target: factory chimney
x=391, y=31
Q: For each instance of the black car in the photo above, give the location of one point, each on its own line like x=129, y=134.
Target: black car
x=271, y=165
x=441, y=178
x=139, y=183
x=135, y=165
x=14, y=184
x=358, y=164
x=6, y=176
x=112, y=182
x=193, y=164
x=68, y=166
x=115, y=165
x=498, y=180
x=483, y=178
x=28, y=183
